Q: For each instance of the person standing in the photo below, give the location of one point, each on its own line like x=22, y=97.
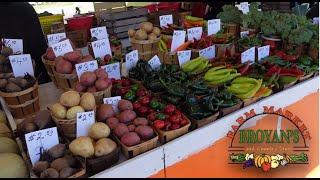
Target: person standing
x=214, y=7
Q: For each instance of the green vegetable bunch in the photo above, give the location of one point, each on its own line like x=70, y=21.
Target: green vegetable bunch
x=314, y=42
x=250, y=41
x=230, y=14
x=253, y=18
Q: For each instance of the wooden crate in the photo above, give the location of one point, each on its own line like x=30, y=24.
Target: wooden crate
x=129, y=13
x=99, y=6
x=154, y=17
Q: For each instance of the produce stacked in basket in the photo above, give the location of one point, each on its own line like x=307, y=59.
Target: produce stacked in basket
x=10, y=84
x=5, y=65
x=191, y=21
x=165, y=45
x=170, y=29
x=196, y=66
x=146, y=32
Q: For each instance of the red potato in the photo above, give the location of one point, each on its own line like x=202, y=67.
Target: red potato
x=88, y=78
x=120, y=130
x=63, y=67
x=86, y=58
x=140, y=121
x=101, y=74
x=127, y=116
x=125, y=105
x=80, y=88
x=108, y=81
x=131, y=127
x=50, y=54
x=145, y=132
x=92, y=89
x=112, y=122
x=73, y=56
x=105, y=111
x=130, y=139
x=101, y=85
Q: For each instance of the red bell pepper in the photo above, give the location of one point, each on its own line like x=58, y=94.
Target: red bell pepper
x=169, y=109
x=159, y=124
x=136, y=105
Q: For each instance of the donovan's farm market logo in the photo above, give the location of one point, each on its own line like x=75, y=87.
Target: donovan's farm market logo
x=277, y=140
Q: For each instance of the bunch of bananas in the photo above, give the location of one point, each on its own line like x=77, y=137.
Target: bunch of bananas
x=244, y=87
x=260, y=159
x=162, y=46
x=219, y=75
x=195, y=66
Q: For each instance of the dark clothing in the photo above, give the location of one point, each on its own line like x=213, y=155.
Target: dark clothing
x=198, y=9
x=18, y=20
x=214, y=8
x=314, y=11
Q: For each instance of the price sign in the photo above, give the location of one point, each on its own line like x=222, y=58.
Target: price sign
x=248, y=55
x=15, y=44
x=86, y=66
x=21, y=64
x=55, y=38
x=114, y=101
x=113, y=70
x=214, y=26
x=84, y=122
x=184, y=56
x=101, y=48
x=165, y=20
x=39, y=141
x=195, y=32
x=62, y=48
x=315, y=20
x=178, y=38
x=244, y=34
x=155, y=62
x=131, y=59
x=263, y=52
x=209, y=52
x=244, y=7
x=99, y=32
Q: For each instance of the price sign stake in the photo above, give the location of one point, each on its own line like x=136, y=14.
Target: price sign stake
x=86, y=66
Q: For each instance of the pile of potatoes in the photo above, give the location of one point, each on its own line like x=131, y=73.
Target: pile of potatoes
x=56, y=162
x=146, y=32
x=5, y=65
x=126, y=126
x=71, y=103
x=97, y=144
x=93, y=81
x=9, y=83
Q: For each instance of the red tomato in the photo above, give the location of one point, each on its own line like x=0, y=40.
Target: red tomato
x=152, y=116
x=174, y=119
x=159, y=124
x=169, y=109
x=145, y=100
x=136, y=105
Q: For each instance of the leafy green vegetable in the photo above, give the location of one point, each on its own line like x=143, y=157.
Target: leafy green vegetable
x=253, y=18
x=230, y=14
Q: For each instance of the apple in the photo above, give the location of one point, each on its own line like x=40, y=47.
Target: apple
x=266, y=166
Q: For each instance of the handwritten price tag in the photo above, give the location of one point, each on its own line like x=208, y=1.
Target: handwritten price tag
x=15, y=44
x=101, y=48
x=86, y=66
x=21, y=64
x=315, y=20
x=55, y=38
x=244, y=34
x=214, y=26
x=263, y=52
x=39, y=141
x=195, y=32
x=114, y=101
x=113, y=70
x=131, y=59
x=165, y=20
x=248, y=55
x=99, y=32
x=62, y=48
x=209, y=52
x=155, y=62
x=178, y=38
x=184, y=56
x=84, y=122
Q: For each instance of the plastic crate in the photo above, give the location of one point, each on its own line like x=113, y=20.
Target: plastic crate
x=46, y=22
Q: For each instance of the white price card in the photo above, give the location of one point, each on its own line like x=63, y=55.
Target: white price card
x=244, y=7
x=39, y=141
x=21, y=64
x=214, y=26
x=55, y=38
x=244, y=34
x=195, y=32
x=99, y=32
x=209, y=52
x=184, y=56
x=84, y=121
x=263, y=52
x=114, y=101
x=113, y=70
x=62, y=48
x=315, y=20
x=15, y=44
x=86, y=66
x=131, y=59
x=155, y=62
x=178, y=39
x=101, y=48
x=248, y=55
x=165, y=20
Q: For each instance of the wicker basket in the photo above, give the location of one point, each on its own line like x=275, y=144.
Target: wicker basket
x=49, y=65
x=46, y=22
x=202, y=122
x=233, y=29
x=65, y=82
x=23, y=103
x=247, y=102
x=67, y=126
x=228, y=110
x=101, y=94
x=147, y=49
x=168, y=57
x=222, y=48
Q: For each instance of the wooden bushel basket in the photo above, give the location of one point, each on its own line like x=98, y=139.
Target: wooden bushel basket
x=49, y=65
x=168, y=57
x=202, y=122
x=65, y=82
x=147, y=48
x=23, y=103
x=67, y=127
x=101, y=94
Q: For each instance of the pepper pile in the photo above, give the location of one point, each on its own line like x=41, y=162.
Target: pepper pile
x=190, y=22
x=219, y=75
x=127, y=90
x=306, y=64
x=245, y=88
x=169, y=30
x=140, y=71
x=202, y=43
x=196, y=66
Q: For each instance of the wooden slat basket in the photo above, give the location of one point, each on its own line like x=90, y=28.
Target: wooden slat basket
x=202, y=122
x=49, y=65
x=146, y=48
x=65, y=82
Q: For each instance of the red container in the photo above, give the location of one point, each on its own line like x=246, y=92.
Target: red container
x=81, y=22
x=151, y=8
x=169, y=6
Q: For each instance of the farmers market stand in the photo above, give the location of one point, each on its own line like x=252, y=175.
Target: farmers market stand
x=154, y=161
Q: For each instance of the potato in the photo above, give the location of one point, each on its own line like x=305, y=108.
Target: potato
x=66, y=172
x=101, y=73
x=147, y=26
x=130, y=139
x=59, y=164
x=11, y=87
x=99, y=130
x=145, y=132
x=82, y=146
x=125, y=105
x=105, y=111
x=92, y=89
x=80, y=88
x=59, y=111
x=70, y=99
x=152, y=36
x=8, y=145
x=127, y=116
x=49, y=173
x=141, y=35
x=131, y=127
x=88, y=78
x=140, y=121
x=112, y=122
x=73, y=56
x=120, y=130
x=156, y=31
x=72, y=112
x=87, y=101
x=63, y=67
x=50, y=54
x=57, y=151
x=104, y=146
x=131, y=33
x=40, y=166
x=3, y=83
